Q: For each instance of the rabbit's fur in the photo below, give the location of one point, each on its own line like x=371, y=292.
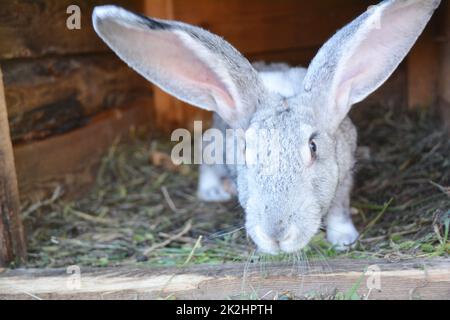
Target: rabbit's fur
x=278, y=78
x=215, y=180
x=307, y=107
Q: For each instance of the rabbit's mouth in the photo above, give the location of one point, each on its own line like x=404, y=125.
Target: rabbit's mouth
x=289, y=241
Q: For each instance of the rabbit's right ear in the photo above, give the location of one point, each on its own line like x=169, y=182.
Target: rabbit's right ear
x=362, y=55
x=188, y=62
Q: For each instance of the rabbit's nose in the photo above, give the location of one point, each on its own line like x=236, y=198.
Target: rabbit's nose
x=288, y=235
x=272, y=240
x=265, y=242
x=279, y=233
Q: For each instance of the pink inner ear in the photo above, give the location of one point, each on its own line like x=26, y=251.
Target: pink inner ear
x=182, y=65
x=375, y=58
x=351, y=79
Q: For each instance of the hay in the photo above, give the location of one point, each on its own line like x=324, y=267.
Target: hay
x=136, y=212
x=409, y=168
x=139, y=213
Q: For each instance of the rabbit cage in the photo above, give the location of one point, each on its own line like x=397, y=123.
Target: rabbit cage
x=87, y=180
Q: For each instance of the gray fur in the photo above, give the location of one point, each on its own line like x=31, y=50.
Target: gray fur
x=283, y=210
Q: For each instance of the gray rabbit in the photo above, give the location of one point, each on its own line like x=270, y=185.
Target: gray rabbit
x=308, y=107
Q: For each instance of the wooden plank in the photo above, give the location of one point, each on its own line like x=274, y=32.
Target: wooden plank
x=169, y=112
x=414, y=279
x=37, y=28
x=12, y=240
x=70, y=159
x=423, y=68
x=444, y=75
x=256, y=26
x=54, y=95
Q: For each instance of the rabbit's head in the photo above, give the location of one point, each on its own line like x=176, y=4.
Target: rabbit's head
x=284, y=207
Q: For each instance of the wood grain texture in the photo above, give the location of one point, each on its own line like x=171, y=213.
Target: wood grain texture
x=36, y=28
x=444, y=74
x=415, y=279
x=70, y=159
x=169, y=112
x=49, y=96
x=423, y=68
x=256, y=26
x=12, y=240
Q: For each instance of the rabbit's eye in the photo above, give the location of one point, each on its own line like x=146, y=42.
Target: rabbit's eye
x=313, y=148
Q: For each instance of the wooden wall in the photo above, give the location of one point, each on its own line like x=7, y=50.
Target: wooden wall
x=68, y=96
x=444, y=66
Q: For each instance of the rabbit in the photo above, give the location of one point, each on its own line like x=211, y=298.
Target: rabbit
x=309, y=108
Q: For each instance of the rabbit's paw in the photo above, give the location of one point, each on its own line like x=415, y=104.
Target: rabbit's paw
x=215, y=193
x=342, y=234
x=212, y=187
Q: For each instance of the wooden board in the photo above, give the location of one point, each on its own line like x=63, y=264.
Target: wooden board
x=256, y=26
x=70, y=159
x=36, y=28
x=48, y=96
x=12, y=241
x=415, y=279
x=423, y=68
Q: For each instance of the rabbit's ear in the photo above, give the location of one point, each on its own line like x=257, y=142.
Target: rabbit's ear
x=188, y=62
x=362, y=55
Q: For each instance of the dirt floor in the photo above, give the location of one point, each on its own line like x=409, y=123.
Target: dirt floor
x=141, y=213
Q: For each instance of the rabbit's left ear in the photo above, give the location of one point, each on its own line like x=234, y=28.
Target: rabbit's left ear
x=188, y=62
x=361, y=56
